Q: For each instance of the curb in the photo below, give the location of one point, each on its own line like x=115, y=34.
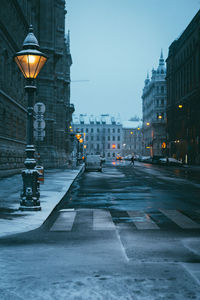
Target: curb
x=82, y=170
x=30, y=220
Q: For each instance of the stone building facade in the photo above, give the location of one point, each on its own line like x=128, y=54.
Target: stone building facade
x=132, y=138
x=102, y=134
x=154, y=101
x=53, y=83
x=183, y=96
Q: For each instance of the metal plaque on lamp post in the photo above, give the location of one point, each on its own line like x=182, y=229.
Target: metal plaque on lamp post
x=39, y=108
x=39, y=123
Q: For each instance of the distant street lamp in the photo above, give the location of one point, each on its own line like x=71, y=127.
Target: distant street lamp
x=30, y=61
x=79, y=137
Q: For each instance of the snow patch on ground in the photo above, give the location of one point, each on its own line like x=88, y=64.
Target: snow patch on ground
x=57, y=183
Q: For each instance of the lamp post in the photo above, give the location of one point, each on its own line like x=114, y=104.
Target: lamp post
x=81, y=147
x=30, y=61
x=78, y=137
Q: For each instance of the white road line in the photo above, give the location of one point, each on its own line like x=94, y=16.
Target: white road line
x=180, y=219
x=102, y=220
x=64, y=222
x=142, y=221
x=66, y=209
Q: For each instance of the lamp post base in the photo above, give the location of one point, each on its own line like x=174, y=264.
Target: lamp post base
x=31, y=192
x=29, y=208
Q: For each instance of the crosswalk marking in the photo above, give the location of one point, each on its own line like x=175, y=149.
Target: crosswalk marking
x=102, y=220
x=64, y=221
x=180, y=219
x=142, y=221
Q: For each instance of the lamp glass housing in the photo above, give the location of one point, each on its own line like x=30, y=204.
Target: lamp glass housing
x=30, y=64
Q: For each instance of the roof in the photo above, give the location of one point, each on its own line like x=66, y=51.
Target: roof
x=99, y=119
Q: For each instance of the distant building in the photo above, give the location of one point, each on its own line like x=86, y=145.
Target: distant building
x=154, y=111
x=132, y=138
x=102, y=134
x=183, y=97
x=53, y=83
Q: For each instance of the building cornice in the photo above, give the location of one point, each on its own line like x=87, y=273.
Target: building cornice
x=12, y=140
x=13, y=101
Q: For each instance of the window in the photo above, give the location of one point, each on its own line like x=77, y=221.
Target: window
x=118, y=138
x=118, y=130
x=92, y=130
x=113, y=130
x=108, y=146
x=98, y=130
x=108, y=130
x=118, y=146
x=113, y=138
x=108, y=154
x=113, y=154
x=86, y=138
x=108, y=138
x=81, y=130
x=87, y=130
x=92, y=138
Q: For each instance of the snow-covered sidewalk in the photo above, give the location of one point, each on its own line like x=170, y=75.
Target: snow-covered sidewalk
x=57, y=183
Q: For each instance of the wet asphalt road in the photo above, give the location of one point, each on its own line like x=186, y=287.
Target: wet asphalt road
x=129, y=233
x=148, y=188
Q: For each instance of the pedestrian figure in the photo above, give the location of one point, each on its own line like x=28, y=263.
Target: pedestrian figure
x=132, y=160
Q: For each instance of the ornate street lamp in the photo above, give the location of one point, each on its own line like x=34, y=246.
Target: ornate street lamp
x=79, y=138
x=30, y=61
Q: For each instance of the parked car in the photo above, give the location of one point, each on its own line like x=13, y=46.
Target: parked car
x=156, y=159
x=136, y=157
x=146, y=159
x=93, y=163
x=103, y=160
x=128, y=157
x=170, y=161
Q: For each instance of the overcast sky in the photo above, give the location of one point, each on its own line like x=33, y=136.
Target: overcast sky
x=113, y=45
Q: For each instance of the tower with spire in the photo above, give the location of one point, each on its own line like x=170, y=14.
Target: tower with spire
x=154, y=98
x=161, y=67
